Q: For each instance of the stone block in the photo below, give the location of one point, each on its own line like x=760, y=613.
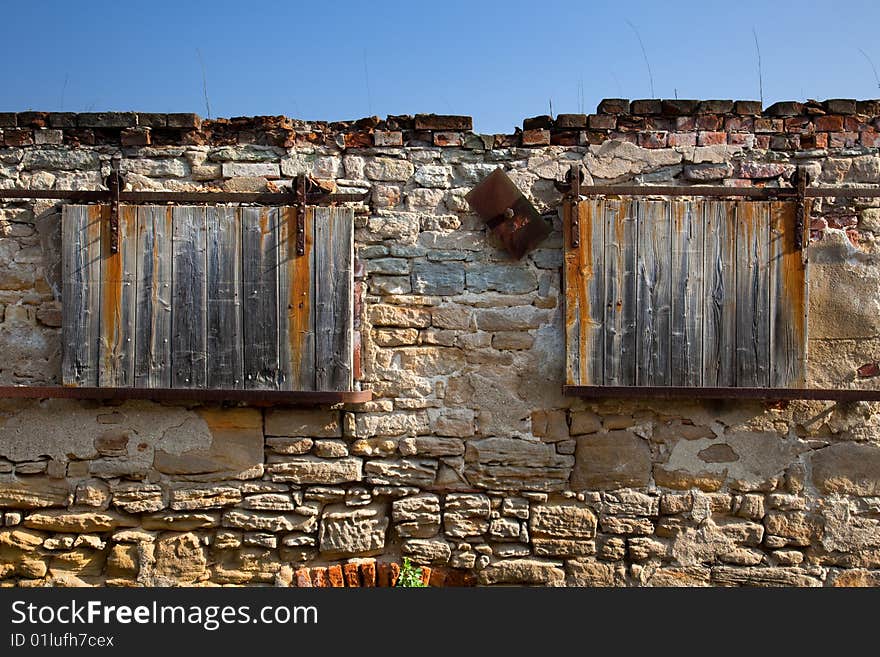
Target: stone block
x=610, y=460
x=311, y=423
x=348, y=531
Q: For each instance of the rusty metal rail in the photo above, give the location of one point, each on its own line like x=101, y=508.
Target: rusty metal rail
x=761, y=193
x=106, y=196
x=291, y=198
x=256, y=397
x=761, y=394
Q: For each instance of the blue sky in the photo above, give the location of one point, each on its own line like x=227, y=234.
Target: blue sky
x=497, y=61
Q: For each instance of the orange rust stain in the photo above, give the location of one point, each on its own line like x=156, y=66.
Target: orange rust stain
x=299, y=302
x=111, y=292
x=793, y=273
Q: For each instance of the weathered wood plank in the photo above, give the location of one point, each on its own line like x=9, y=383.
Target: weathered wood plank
x=788, y=300
x=118, y=302
x=585, y=295
x=654, y=293
x=620, y=294
x=224, y=304
x=686, y=321
x=334, y=257
x=573, y=286
x=189, y=317
x=81, y=293
x=260, y=289
x=753, y=295
x=153, y=316
x=296, y=306
x=719, y=297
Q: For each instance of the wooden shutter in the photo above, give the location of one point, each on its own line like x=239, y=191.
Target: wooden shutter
x=208, y=297
x=684, y=293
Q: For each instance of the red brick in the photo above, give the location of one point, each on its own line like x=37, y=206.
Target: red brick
x=798, y=124
x=33, y=119
x=870, y=138
x=537, y=137
x=426, y=575
x=631, y=123
x=659, y=124
x=614, y=106
x=350, y=572
x=646, y=106
x=455, y=577
x=571, y=121
x=852, y=124
x=383, y=574
x=817, y=140
x=685, y=124
x=711, y=138
x=191, y=121
x=829, y=123
x=447, y=139
x=18, y=137
x=748, y=107
x=739, y=124
x=565, y=138
x=361, y=139
x=818, y=223
x=631, y=137
x=368, y=573
x=135, y=137
x=395, y=573
x=682, y=139
x=762, y=141
x=388, y=138
x=746, y=139
x=854, y=237
x=302, y=579
x=708, y=122
x=443, y=122
x=868, y=370
x=785, y=108
x=319, y=577
x=438, y=577
x=785, y=142
x=603, y=121
x=653, y=140
x=842, y=139
x=334, y=576
x=768, y=125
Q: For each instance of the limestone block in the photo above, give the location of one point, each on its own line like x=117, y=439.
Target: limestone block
x=348, y=531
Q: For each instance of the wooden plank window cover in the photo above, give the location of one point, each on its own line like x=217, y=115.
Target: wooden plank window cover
x=208, y=297
x=680, y=293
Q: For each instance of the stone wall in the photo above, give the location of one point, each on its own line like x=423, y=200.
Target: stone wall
x=469, y=458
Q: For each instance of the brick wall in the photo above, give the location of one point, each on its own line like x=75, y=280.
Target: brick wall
x=469, y=459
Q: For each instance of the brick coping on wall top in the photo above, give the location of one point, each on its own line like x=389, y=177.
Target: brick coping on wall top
x=650, y=123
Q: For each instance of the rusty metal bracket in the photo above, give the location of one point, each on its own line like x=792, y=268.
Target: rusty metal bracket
x=114, y=185
x=299, y=190
x=802, y=180
x=510, y=216
x=574, y=178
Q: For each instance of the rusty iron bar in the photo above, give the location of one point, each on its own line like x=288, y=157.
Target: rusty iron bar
x=283, y=198
x=114, y=183
x=304, y=397
x=802, y=179
x=765, y=394
x=573, y=177
x=105, y=196
x=299, y=187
